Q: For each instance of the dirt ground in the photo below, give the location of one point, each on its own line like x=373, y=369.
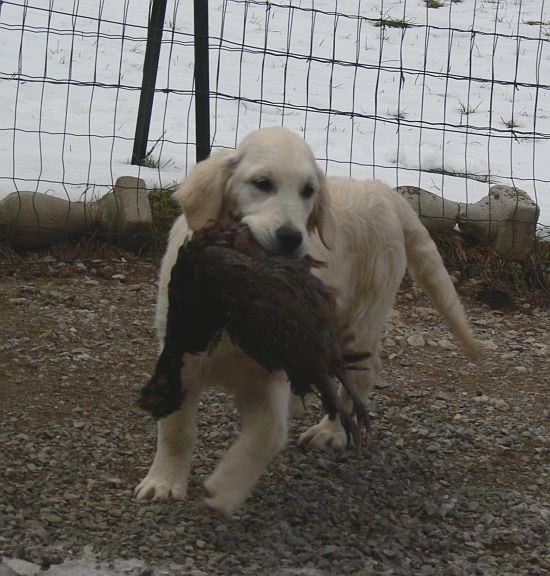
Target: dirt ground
x=455, y=481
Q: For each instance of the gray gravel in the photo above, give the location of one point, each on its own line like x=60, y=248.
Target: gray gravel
x=455, y=481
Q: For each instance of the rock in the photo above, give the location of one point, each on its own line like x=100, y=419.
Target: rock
x=18, y=301
x=506, y=219
x=48, y=260
x=7, y=571
x=31, y=220
x=446, y=344
x=20, y=567
x=436, y=213
x=489, y=345
x=330, y=550
x=499, y=404
x=126, y=213
x=416, y=341
x=508, y=355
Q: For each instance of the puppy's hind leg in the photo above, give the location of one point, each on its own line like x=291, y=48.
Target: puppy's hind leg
x=263, y=406
x=169, y=472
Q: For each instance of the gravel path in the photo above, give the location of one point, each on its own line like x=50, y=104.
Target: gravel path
x=455, y=482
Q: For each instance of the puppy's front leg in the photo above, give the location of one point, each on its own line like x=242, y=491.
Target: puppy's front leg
x=169, y=472
x=263, y=406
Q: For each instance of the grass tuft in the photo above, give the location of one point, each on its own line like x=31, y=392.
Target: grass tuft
x=393, y=23
x=466, y=109
x=434, y=3
x=164, y=211
x=511, y=123
x=399, y=115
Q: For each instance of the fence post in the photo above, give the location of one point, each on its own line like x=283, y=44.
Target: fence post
x=150, y=68
x=202, y=79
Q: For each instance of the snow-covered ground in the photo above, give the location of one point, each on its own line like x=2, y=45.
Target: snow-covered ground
x=463, y=90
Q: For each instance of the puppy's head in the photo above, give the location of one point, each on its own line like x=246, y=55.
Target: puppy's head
x=271, y=182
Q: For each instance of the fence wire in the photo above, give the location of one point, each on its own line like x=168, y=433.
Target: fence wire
x=71, y=75
x=451, y=99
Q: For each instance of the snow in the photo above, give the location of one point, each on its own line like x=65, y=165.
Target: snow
x=430, y=102
x=85, y=564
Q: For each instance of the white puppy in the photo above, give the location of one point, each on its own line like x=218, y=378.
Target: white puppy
x=366, y=233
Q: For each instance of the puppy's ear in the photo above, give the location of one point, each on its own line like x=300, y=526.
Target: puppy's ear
x=321, y=218
x=202, y=194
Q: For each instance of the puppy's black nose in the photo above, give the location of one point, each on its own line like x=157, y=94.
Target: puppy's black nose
x=289, y=238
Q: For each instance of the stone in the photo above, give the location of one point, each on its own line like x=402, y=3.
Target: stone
x=7, y=571
x=505, y=219
x=436, y=213
x=416, y=341
x=126, y=212
x=446, y=344
x=21, y=567
x=30, y=220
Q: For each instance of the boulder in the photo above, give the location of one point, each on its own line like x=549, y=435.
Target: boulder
x=32, y=220
x=505, y=219
x=436, y=213
x=126, y=213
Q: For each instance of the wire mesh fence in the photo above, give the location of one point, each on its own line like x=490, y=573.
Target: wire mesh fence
x=450, y=99
x=448, y=96
x=71, y=75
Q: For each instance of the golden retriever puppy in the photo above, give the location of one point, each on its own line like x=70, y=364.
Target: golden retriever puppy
x=366, y=233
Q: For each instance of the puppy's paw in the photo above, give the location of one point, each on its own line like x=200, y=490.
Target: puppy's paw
x=221, y=506
x=160, y=488
x=224, y=502
x=327, y=434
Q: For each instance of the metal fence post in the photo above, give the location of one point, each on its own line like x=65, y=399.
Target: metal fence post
x=202, y=86
x=150, y=68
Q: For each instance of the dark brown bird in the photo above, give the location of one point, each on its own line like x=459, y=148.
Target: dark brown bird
x=279, y=313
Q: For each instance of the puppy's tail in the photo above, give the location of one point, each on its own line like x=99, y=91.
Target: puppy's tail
x=429, y=272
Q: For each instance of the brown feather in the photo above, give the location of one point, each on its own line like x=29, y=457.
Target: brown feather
x=279, y=313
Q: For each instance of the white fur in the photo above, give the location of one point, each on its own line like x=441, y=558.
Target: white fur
x=373, y=234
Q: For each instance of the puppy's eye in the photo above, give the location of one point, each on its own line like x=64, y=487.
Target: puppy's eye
x=264, y=184
x=308, y=191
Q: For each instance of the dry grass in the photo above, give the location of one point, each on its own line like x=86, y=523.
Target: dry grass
x=164, y=212
x=479, y=265
x=434, y=3
x=393, y=23
x=8, y=255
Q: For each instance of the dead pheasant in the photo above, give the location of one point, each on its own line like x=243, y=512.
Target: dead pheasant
x=279, y=313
